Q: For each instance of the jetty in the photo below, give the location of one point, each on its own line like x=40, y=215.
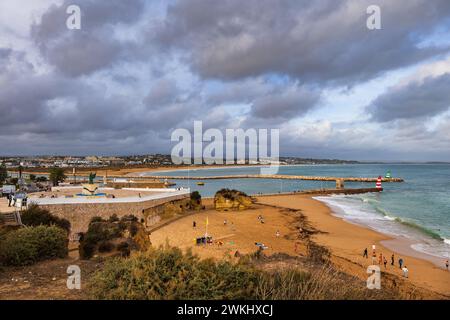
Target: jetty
x=322, y=192
x=271, y=176
x=339, y=180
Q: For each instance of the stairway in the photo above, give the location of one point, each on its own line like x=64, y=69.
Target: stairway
x=10, y=219
x=8, y=215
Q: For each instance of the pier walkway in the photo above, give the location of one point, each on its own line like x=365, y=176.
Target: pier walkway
x=272, y=176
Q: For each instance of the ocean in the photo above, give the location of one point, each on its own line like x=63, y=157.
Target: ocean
x=417, y=209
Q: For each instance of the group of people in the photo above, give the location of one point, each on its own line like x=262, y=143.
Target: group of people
x=382, y=260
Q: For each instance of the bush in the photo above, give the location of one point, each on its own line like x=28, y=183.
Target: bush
x=36, y=216
x=167, y=273
x=29, y=245
x=196, y=196
x=113, y=218
x=322, y=283
x=124, y=249
x=101, y=231
x=231, y=194
x=96, y=219
x=129, y=218
x=86, y=250
x=105, y=246
x=133, y=229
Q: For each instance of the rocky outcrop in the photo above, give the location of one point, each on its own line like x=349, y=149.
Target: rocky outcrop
x=226, y=199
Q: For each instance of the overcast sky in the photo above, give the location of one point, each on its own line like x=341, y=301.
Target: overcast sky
x=137, y=70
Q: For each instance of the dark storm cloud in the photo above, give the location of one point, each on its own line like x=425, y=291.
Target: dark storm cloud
x=13, y=62
x=94, y=46
x=285, y=105
x=162, y=92
x=415, y=100
x=323, y=40
x=49, y=104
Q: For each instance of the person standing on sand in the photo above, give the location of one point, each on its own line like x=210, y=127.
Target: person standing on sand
x=225, y=222
x=385, y=262
x=374, y=257
x=392, y=260
x=365, y=255
x=405, y=271
x=446, y=264
x=278, y=233
x=400, y=262
x=194, y=224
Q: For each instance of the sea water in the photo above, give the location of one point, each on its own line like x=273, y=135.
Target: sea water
x=417, y=209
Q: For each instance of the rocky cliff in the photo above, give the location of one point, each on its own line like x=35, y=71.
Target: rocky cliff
x=226, y=199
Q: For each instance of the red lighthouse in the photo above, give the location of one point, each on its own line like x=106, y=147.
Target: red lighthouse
x=378, y=185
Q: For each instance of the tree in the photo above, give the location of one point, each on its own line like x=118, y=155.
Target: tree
x=3, y=174
x=41, y=179
x=57, y=175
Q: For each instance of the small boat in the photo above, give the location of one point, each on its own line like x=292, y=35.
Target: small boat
x=200, y=183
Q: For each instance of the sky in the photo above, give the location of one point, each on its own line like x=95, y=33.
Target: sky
x=137, y=70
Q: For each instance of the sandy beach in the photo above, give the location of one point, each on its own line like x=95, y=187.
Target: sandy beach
x=346, y=241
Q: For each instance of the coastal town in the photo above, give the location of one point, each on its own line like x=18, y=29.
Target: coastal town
x=157, y=160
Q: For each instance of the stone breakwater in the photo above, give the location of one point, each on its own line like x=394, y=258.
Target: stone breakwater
x=272, y=176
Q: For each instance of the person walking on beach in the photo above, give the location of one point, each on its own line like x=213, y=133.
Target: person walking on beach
x=392, y=260
x=225, y=222
x=194, y=224
x=365, y=255
x=400, y=262
x=385, y=262
x=405, y=271
x=446, y=264
x=278, y=233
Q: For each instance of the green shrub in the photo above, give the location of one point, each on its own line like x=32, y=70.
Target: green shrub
x=36, y=216
x=86, y=250
x=167, y=273
x=196, y=196
x=29, y=245
x=96, y=219
x=101, y=231
x=230, y=194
